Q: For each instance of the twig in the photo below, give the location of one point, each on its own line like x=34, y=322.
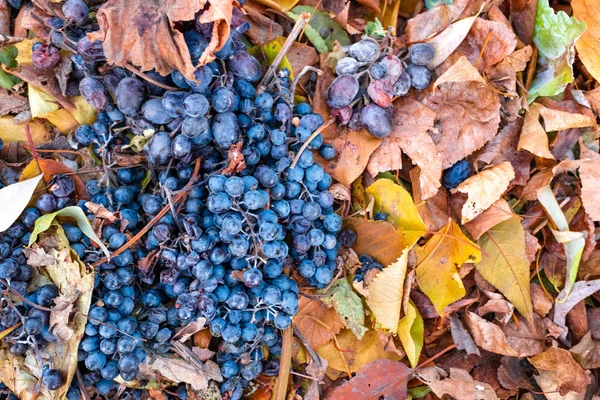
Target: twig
x=82, y=388
x=142, y=75
x=301, y=74
x=310, y=139
x=312, y=353
x=280, y=390
x=270, y=74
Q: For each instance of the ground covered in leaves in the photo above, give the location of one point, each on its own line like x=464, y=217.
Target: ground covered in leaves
x=458, y=142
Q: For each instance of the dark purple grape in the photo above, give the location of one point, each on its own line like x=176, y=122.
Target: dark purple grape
x=379, y=70
x=245, y=66
x=342, y=91
x=346, y=65
x=93, y=92
x=421, y=53
x=75, y=11
x=364, y=51
x=53, y=379
x=402, y=85
x=377, y=120
x=158, y=148
x=45, y=56
x=91, y=51
x=420, y=76
x=154, y=112
x=129, y=96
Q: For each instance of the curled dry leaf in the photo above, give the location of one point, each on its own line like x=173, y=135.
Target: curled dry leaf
x=12, y=103
x=460, y=385
x=461, y=71
x=504, y=75
x=484, y=189
x=374, y=380
x=433, y=211
x=569, y=374
x=461, y=337
x=144, y=34
x=587, y=352
x=580, y=291
x=449, y=39
x=468, y=116
x=317, y=322
x=488, y=336
x=542, y=304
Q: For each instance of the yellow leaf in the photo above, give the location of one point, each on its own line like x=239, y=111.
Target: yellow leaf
x=588, y=45
x=271, y=49
x=66, y=122
x=389, y=13
x=349, y=354
x=505, y=265
x=24, y=48
x=279, y=5
x=533, y=137
x=11, y=132
x=40, y=103
x=437, y=264
x=385, y=294
x=410, y=331
x=398, y=203
x=484, y=188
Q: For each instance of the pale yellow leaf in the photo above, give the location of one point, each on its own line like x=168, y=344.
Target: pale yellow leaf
x=437, y=264
x=40, y=103
x=461, y=71
x=398, y=203
x=533, y=137
x=11, y=132
x=484, y=188
x=505, y=265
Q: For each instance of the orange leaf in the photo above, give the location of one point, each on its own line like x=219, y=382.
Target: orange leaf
x=588, y=45
x=317, y=322
x=379, y=239
x=52, y=168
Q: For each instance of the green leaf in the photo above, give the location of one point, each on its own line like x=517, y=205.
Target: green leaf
x=8, y=56
x=573, y=242
x=348, y=305
x=375, y=29
x=322, y=31
x=418, y=392
x=7, y=81
x=411, y=329
x=45, y=221
x=429, y=4
x=552, y=76
x=554, y=33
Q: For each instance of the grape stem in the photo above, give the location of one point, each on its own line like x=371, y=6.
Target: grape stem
x=298, y=27
x=142, y=75
x=310, y=139
x=302, y=73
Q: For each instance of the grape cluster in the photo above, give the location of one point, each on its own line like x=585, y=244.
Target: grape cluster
x=369, y=77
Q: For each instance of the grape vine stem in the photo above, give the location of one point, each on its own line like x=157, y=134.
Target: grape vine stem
x=310, y=139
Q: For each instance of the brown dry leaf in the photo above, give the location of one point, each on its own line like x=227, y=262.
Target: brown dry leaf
x=503, y=147
x=379, y=239
x=52, y=168
x=431, y=22
x=387, y=157
x=235, y=159
x=484, y=189
x=102, y=216
x=460, y=385
x=317, y=322
x=590, y=176
x=541, y=303
x=570, y=376
x=461, y=71
x=498, y=212
x=535, y=183
x=434, y=211
x=488, y=336
x=504, y=75
x=593, y=97
x=461, y=337
x=533, y=136
x=183, y=334
x=180, y=370
x=262, y=27
x=44, y=81
x=468, y=117
x=588, y=43
x=487, y=44
x=527, y=338
x=144, y=34
x=12, y=103
x=548, y=383
x=354, y=149
x=587, y=352
x=511, y=375
x=412, y=120
x=522, y=14
x=374, y=380
x=579, y=292
x=557, y=120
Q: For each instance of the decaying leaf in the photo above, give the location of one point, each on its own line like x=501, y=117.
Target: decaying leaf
x=462, y=70
x=505, y=265
x=557, y=120
x=461, y=337
x=317, y=322
x=498, y=212
x=379, y=239
x=10, y=131
x=179, y=370
x=376, y=379
x=437, y=264
x=354, y=150
x=533, y=137
x=348, y=305
x=488, y=336
x=580, y=291
x=484, y=189
x=144, y=34
x=569, y=374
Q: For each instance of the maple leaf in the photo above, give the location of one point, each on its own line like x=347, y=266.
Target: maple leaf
x=317, y=322
x=144, y=34
x=484, y=189
x=437, y=264
x=505, y=264
x=394, y=200
x=569, y=374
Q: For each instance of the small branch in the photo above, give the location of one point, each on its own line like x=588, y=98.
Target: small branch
x=142, y=75
x=310, y=139
x=301, y=74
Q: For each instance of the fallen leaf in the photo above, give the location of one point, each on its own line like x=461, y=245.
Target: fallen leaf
x=13, y=132
x=411, y=331
x=505, y=265
x=498, y=212
x=44, y=222
x=467, y=118
x=385, y=292
x=15, y=198
x=533, y=137
x=379, y=378
x=487, y=44
x=183, y=334
x=587, y=352
x=378, y=239
x=504, y=75
x=348, y=306
x=431, y=22
x=449, y=39
x=262, y=27
x=280, y=5
x=580, y=291
x=144, y=34
x=179, y=370
x=526, y=338
x=394, y=200
x=488, y=336
x=589, y=173
x=347, y=353
x=354, y=150
x=322, y=31
x=461, y=337
x=502, y=309
x=411, y=123
x=51, y=168
x=541, y=303
x=437, y=263
x=548, y=383
x=460, y=385
x=387, y=157
x=434, y=211
x=557, y=120
x=587, y=45
x=461, y=71
x=11, y=103
x=317, y=322
x=570, y=376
